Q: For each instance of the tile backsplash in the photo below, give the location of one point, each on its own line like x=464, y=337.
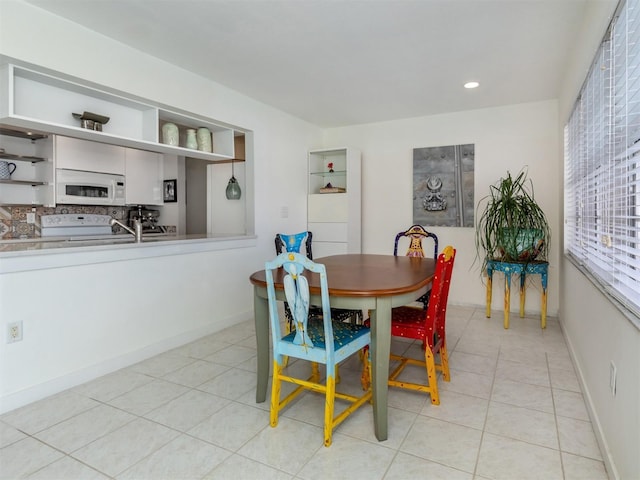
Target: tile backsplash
x=13, y=219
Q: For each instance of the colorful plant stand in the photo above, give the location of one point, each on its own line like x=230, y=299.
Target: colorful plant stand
x=522, y=269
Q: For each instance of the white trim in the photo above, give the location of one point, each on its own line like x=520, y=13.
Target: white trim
x=58, y=385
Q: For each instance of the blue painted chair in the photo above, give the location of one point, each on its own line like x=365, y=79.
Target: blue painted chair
x=326, y=342
x=294, y=243
x=416, y=236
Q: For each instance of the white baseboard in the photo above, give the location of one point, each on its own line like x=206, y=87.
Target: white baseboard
x=593, y=415
x=57, y=385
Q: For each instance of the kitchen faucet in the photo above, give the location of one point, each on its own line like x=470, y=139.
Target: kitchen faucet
x=136, y=231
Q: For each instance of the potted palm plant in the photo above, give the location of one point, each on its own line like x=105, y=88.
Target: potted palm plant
x=511, y=226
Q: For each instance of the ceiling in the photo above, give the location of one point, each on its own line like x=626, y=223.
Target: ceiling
x=345, y=62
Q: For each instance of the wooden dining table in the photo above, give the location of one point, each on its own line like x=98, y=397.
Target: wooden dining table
x=373, y=283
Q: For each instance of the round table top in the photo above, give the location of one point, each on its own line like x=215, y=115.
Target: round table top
x=367, y=275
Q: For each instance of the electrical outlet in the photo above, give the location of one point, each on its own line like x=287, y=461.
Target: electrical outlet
x=14, y=332
x=31, y=217
x=613, y=372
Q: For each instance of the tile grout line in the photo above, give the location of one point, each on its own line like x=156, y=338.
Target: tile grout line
x=486, y=416
x=555, y=416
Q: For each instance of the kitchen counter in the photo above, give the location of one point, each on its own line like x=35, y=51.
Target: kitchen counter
x=56, y=252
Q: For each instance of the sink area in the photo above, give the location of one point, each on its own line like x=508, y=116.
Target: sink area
x=117, y=239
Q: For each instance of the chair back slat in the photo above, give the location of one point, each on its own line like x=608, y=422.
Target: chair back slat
x=296, y=289
x=297, y=294
x=416, y=235
x=437, y=309
x=293, y=243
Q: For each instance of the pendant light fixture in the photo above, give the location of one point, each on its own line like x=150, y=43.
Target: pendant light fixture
x=233, y=191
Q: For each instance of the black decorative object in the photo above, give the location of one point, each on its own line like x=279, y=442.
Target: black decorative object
x=170, y=191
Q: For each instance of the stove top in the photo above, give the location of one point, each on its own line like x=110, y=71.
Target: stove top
x=66, y=224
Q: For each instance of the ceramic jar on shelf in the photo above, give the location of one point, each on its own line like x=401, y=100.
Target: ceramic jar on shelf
x=204, y=139
x=170, y=134
x=191, y=141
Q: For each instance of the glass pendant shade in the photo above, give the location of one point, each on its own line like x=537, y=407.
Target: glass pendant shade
x=233, y=191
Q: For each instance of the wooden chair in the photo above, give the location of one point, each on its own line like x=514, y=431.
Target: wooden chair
x=429, y=327
x=416, y=236
x=293, y=243
x=327, y=342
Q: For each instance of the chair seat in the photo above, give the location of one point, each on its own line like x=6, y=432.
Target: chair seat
x=343, y=333
x=409, y=322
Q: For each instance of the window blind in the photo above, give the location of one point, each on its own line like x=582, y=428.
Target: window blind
x=602, y=163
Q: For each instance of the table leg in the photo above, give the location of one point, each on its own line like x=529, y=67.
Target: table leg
x=523, y=294
x=507, y=298
x=380, y=349
x=261, y=318
x=489, y=291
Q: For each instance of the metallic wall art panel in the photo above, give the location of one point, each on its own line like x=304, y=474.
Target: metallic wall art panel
x=443, y=190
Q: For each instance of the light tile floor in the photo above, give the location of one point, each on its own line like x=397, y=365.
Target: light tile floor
x=512, y=410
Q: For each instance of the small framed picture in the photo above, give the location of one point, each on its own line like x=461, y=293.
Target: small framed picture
x=170, y=191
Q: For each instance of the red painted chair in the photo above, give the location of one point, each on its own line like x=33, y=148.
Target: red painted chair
x=429, y=327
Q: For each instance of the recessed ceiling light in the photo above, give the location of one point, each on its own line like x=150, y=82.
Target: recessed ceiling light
x=471, y=85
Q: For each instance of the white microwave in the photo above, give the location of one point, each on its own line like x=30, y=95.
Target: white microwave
x=89, y=188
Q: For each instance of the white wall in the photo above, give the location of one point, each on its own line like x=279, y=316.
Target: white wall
x=505, y=138
x=74, y=330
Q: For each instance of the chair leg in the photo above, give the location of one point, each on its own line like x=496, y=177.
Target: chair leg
x=285, y=362
x=444, y=361
x=431, y=376
x=328, y=409
x=365, y=377
x=276, y=384
x=315, y=372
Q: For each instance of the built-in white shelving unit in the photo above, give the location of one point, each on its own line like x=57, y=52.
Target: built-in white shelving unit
x=334, y=201
x=32, y=182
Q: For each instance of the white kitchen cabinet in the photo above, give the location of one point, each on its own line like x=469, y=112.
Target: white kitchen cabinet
x=143, y=177
x=32, y=182
x=76, y=154
x=143, y=170
x=46, y=102
x=334, y=202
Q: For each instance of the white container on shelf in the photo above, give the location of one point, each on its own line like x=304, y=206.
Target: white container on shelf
x=170, y=134
x=203, y=137
x=191, y=141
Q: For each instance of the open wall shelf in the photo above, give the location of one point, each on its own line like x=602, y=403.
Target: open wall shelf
x=46, y=103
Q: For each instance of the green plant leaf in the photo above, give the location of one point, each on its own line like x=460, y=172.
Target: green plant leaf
x=511, y=225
